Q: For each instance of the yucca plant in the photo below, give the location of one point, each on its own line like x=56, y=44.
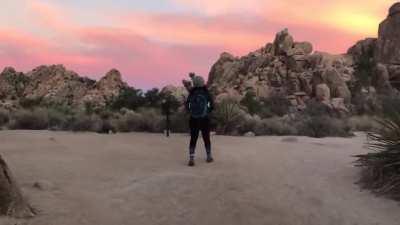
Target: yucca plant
x=381, y=168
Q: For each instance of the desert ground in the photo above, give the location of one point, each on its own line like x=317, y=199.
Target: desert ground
x=136, y=178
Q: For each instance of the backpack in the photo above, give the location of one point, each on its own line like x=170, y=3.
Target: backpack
x=198, y=104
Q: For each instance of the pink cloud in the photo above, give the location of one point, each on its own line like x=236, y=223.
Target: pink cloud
x=155, y=49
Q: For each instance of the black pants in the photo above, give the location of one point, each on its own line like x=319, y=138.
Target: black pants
x=196, y=125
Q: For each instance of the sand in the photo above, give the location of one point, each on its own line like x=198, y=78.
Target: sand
x=135, y=178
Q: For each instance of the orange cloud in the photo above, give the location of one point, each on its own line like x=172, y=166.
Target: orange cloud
x=154, y=49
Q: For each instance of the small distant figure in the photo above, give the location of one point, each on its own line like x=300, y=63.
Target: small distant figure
x=167, y=112
x=199, y=104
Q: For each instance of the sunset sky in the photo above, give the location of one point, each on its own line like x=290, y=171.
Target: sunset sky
x=157, y=42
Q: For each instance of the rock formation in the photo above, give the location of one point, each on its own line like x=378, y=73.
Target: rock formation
x=56, y=84
x=284, y=67
x=12, y=203
x=290, y=68
x=389, y=38
x=105, y=89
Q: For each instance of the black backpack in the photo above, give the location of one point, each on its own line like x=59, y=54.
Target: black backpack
x=198, y=104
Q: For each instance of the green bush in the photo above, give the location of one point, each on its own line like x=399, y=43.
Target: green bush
x=149, y=120
x=36, y=119
x=363, y=123
x=275, y=106
x=83, y=122
x=4, y=117
x=228, y=114
x=253, y=105
x=180, y=121
x=58, y=120
x=323, y=126
x=129, y=98
x=30, y=103
x=275, y=126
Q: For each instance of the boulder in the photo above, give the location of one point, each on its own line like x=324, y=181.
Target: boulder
x=249, y=134
x=104, y=90
x=283, y=42
x=363, y=48
x=336, y=84
x=381, y=79
x=388, y=43
x=12, y=201
x=180, y=93
x=56, y=84
x=322, y=92
x=12, y=84
x=303, y=48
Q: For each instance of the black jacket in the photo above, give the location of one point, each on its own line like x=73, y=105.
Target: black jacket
x=206, y=93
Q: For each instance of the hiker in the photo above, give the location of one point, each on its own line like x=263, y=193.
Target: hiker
x=199, y=104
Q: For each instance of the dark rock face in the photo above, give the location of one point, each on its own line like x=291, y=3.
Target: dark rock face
x=388, y=43
x=366, y=47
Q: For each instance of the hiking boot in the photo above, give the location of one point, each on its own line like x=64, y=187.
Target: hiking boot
x=191, y=162
x=209, y=159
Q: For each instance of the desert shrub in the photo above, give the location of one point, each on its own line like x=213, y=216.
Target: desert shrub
x=30, y=103
x=248, y=124
x=381, y=168
x=145, y=119
x=323, y=126
x=58, y=120
x=252, y=104
x=36, y=119
x=318, y=120
x=390, y=105
x=150, y=120
x=227, y=115
x=129, y=98
x=274, y=126
x=364, y=103
x=274, y=106
x=363, y=123
x=4, y=117
x=180, y=121
x=83, y=122
x=271, y=126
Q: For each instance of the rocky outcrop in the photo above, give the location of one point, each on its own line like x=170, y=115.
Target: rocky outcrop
x=56, y=84
x=105, y=89
x=12, y=84
x=284, y=67
x=290, y=68
x=180, y=93
x=389, y=38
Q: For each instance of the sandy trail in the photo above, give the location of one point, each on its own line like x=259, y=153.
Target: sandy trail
x=129, y=179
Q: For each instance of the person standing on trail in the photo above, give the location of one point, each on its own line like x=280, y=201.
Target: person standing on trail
x=199, y=104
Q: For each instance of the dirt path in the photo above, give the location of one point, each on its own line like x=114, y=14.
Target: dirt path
x=129, y=179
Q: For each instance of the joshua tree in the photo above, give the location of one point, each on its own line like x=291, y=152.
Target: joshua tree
x=12, y=203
